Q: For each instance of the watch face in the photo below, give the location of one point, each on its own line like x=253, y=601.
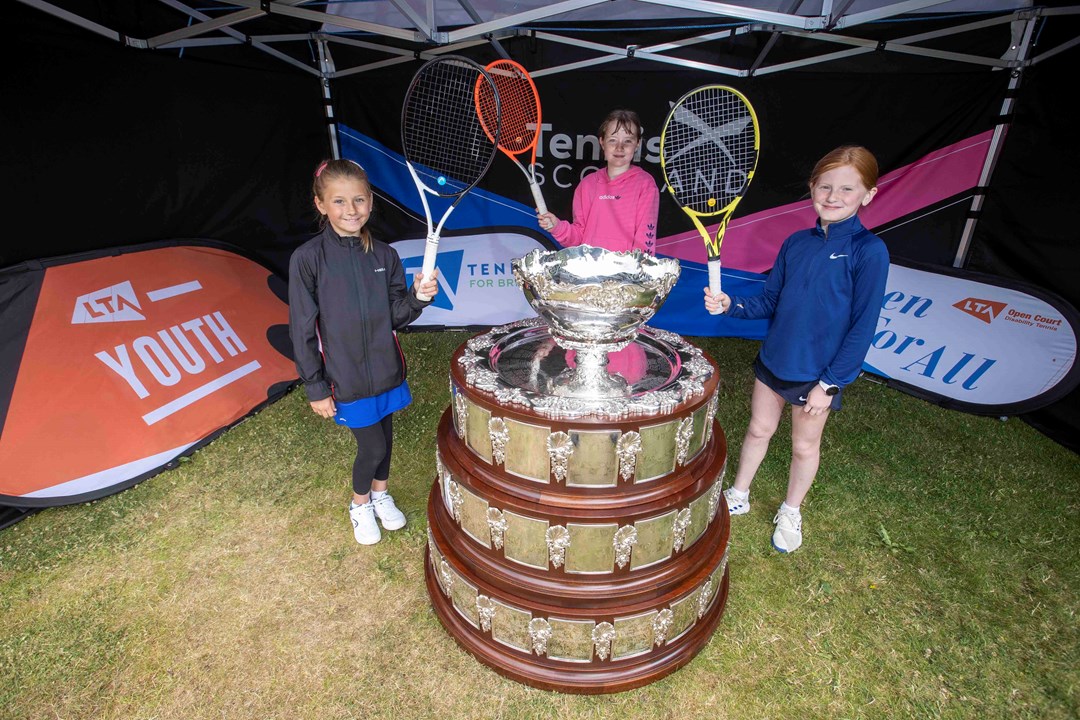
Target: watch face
x=832, y=390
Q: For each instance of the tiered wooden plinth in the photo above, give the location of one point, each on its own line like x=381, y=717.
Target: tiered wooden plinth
x=580, y=555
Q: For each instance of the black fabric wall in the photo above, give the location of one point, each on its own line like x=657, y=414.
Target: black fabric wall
x=107, y=146
x=1028, y=229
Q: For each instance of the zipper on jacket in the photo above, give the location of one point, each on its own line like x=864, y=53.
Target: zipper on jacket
x=354, y=259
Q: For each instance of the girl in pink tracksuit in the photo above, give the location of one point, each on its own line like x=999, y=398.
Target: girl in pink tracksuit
x=614, y=208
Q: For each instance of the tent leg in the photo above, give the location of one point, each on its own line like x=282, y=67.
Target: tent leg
x=1018, y=50
x=326, y=66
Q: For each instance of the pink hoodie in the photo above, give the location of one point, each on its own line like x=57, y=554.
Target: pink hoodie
x=617, y=214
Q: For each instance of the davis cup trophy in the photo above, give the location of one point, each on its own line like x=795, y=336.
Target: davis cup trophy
x=577, y=533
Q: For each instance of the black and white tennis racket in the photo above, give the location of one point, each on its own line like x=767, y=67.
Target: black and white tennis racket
x=709, y=151
x=446, y=147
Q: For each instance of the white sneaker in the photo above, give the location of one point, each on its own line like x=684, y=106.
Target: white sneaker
x=735, y=504
x=365, y=529
x=788, y=534
x=388, y=513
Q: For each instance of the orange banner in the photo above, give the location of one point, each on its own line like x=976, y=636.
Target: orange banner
x=131, y=360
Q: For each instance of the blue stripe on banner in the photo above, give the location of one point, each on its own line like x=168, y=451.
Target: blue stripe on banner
x=683, y=312
x=389, y=173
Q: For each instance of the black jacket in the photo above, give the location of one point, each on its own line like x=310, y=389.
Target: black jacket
x=353, y=300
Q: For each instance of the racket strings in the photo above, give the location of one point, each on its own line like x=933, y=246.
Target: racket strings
x=519, y=106
x=441, y=132
x=710, y=149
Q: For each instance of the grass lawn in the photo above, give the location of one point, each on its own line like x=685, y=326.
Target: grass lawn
x=940, y=577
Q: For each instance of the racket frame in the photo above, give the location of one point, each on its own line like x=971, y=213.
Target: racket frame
x=528, y=171
x=712, y=242
x=434, y=231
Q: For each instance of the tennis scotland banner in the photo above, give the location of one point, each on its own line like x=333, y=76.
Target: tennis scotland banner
x=114, y=367
x=974, y=343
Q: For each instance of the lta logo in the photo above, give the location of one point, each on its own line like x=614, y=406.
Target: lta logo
x=985, y=310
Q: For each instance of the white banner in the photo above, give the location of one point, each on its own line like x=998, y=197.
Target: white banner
x=974, y=342
x=476, y=282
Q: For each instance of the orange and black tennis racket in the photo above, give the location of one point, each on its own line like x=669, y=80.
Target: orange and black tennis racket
x=517, y=104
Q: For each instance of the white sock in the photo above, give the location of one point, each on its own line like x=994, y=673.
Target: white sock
x=784, y=507
x=739, y=494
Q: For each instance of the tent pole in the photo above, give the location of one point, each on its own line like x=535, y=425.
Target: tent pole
x=1019, y=51
x=326, y=68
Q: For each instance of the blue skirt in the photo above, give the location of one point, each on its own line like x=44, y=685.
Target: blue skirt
x=370, y=410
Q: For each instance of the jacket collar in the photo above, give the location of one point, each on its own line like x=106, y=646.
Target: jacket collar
x=839, y=230
x=330, y=234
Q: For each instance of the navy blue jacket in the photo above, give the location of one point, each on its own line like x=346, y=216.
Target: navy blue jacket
x=353, y=301
x=824, y=296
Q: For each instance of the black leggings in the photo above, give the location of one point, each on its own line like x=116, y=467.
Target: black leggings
x=373, y=446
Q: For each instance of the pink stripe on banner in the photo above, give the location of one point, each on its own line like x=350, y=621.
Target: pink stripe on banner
x=751, y=242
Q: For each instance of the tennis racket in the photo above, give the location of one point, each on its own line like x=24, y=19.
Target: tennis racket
x=709, y=151
x=447, y=149
x=518, y=105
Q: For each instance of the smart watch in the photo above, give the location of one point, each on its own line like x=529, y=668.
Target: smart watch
x=830, y=390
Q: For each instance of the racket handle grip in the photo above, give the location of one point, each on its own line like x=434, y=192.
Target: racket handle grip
x=538, y=197
x=714, y=281
x=431, y=250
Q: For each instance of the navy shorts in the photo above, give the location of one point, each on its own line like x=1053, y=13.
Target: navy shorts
x=793, y=392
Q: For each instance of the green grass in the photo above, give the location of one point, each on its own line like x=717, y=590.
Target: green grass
x=939, y=578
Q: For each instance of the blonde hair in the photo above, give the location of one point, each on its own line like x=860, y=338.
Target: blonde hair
x=856, y=156
x=330, y=170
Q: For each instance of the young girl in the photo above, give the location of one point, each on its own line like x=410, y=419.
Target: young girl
x=347, y=296
x=824, y=296
x=615, y=208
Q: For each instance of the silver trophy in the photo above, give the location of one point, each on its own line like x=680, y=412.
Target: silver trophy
x=594, y=302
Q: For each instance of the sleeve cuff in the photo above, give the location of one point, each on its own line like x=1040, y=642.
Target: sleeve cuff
x=317, y=391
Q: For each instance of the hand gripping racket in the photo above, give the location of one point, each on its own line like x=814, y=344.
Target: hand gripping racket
x=447, y=149
x=518, y=105
x=709, y=151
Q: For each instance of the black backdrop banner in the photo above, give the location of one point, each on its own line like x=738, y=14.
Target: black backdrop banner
x=220, y=143
x=802, y=116
x=152, y=145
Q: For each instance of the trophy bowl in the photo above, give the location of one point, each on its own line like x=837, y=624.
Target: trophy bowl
x=590, y=296
x=594, y=302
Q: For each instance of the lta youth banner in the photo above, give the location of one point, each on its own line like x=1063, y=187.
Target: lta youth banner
x=113, y=367
x=974, y=343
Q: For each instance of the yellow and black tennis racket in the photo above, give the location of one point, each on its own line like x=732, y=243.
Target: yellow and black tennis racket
x=709, y=151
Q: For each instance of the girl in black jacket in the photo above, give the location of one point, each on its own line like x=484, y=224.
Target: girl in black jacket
x=347, y=296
